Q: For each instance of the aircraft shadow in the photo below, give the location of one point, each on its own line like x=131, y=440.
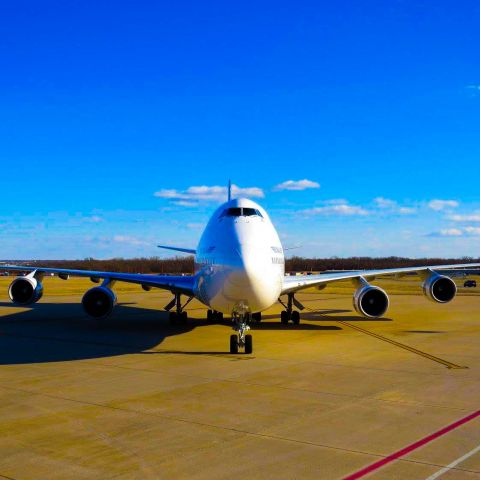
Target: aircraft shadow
x=323, y=316
x=63, y=332
x=265, y=325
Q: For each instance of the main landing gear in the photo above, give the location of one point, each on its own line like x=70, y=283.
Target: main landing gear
x=179, y=315
x=241, y=339
x=290, y=314
x=214, y=316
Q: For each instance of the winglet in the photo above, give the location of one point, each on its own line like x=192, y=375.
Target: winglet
x=229, y=190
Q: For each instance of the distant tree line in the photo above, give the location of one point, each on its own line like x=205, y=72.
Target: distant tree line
x=179, y=265
x=300, y=264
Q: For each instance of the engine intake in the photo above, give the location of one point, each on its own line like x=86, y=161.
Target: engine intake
x=98, y=302
x=370, y=301
x=439, y=288
x=25, y=290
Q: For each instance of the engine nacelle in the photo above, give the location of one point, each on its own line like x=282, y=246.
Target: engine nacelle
x=25, y=290
x=439, y=288
x=98, y=302
x=370, y=301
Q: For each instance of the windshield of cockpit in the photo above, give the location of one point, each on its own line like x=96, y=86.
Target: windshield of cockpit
x=240, y=212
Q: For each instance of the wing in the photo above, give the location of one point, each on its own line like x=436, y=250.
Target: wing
x=174, y=283
x=299, y=282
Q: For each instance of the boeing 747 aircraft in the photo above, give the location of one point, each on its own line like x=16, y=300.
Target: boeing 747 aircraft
x=239, y=271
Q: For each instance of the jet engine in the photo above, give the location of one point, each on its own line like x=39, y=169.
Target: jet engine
x=439, y=288
x=25, y=290
x=370, y=301
x=98, y=302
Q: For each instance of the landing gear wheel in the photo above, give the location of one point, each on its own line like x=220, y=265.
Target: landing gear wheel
x=284, y=317
x=233, y=343
x=248, y=344
x=173, y=317
x=296, y=317
x=257, y=317
x=209, y=315
x=183, y=317
x=219, y=316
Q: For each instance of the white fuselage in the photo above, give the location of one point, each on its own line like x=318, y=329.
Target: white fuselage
x=239, y=262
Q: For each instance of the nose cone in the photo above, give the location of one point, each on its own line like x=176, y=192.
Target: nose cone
x=252, y=283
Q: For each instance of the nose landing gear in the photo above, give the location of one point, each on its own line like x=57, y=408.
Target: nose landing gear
x=241, y=339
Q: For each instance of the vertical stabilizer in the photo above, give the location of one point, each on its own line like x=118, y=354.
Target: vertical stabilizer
x=229, y=190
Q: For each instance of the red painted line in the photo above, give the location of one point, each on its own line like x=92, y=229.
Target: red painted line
x=410, y=448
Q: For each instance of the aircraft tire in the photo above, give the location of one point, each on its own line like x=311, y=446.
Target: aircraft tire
x=296, y=317
x=233, y=343
x=173, y=317
x=284, y=317
x=248, y=344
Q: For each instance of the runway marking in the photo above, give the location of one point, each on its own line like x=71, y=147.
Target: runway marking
x=454, y=464
x=402, y=345
x=210, y=425
x=410, y=448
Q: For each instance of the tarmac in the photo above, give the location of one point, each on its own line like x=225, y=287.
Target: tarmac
x=336, y=397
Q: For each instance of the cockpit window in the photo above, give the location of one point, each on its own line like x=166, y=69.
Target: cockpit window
x=240, y=212
x=234, y=212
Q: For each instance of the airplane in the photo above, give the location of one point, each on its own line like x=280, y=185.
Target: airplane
x=239, y=271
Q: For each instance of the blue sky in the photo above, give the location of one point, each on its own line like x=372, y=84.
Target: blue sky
x=103, y=104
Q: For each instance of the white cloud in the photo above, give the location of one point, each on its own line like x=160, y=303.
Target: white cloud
x=129, y=240
x=195, y=226
x=382, y=202
x=392, y=206
x=185, y=203
x=439, y=205
x=473, y=89
x=473, y=217
x=457, y=232
x=208, y=194
x=340, y=209
x=407, y=210
x=94, y=219
x=165, y=193
x=451, y=232
x=297, y=185
x=472, y=230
